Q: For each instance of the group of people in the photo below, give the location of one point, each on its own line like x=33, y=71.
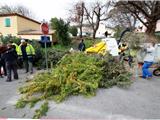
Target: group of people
x=148, y=59
x=9, y=55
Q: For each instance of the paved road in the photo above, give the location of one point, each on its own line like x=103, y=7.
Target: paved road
x=141, y=100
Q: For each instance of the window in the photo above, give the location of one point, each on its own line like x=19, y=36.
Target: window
x=7, y=22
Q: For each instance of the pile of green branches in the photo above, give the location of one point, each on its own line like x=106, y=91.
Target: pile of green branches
x=74, y=74
x=114, y=74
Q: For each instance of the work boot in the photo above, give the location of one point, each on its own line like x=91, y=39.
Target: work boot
x=8, y=80
x=16, y=77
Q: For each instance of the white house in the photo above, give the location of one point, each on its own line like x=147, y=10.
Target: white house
x=102, y=29
x=87, y=29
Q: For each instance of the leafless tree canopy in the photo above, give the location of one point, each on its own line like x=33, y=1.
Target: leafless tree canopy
x=92, y=14
x=147, y=12
x=97, y=12
x=125, y=13
x=16, y=9
x=77, y=15
x=122, y=17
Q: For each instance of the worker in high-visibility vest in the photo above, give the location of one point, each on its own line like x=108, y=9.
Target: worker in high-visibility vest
x=15, y=46
x=27, y=52
x=122, y=47
x=121, y=50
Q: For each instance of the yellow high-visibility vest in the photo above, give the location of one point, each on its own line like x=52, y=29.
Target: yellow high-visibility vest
x=29, y=50
x=16, y=46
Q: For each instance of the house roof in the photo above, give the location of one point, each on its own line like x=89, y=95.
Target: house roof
x=34, y=32
x=16, y=14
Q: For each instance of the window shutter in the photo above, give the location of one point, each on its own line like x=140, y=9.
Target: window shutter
x=7, y=22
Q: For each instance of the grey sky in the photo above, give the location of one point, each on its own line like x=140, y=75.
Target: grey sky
x=45, y=9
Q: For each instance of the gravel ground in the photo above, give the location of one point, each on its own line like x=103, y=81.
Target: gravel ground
x=140, y=101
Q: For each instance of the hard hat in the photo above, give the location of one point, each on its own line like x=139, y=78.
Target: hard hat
x=23, y=41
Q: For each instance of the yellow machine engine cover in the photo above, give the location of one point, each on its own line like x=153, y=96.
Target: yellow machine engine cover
x=99, y=48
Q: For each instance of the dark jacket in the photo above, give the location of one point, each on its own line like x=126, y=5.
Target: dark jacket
x=24, y=53
x=1, y=59
x=81, y=46
x=10, y=56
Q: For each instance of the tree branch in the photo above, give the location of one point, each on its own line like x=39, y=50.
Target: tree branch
x=139, y=8
x=134, y=12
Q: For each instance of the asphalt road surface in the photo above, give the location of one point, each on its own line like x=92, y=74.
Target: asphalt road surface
x=140, y=101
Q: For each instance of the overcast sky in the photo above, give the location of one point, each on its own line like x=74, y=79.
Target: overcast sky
x=45, y=9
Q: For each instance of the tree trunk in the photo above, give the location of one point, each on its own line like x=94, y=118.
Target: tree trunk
x=150, y=32
x=81, y=15
x=96, y=27
x=94, y=34
x=80, y=28
x=134, y=22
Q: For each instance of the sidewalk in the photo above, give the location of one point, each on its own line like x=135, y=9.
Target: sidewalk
x=141, y=100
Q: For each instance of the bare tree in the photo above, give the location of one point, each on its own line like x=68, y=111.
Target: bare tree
x=16, y=9
x=77, y=15
x=147, y=12
x=95, y=13
x=6, y=9
x=123, y=18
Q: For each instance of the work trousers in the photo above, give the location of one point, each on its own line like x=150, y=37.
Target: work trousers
x=28, y=63
x=145, y=71
x=11, y=67
x=2, y=64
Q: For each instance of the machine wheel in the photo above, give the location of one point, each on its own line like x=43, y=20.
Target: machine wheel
x=156, y=72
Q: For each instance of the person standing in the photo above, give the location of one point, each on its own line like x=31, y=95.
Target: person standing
x=3, y=48
x=148, y=61
x=2, y=65
x=81, y=46
x=27, y=52
x=10, y=58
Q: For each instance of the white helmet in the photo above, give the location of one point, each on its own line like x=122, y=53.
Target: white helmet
x=22, y=41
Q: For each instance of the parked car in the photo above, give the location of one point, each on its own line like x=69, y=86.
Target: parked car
x=84, y=34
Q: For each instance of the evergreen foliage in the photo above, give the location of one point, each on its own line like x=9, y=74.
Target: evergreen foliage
x=62, y=29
